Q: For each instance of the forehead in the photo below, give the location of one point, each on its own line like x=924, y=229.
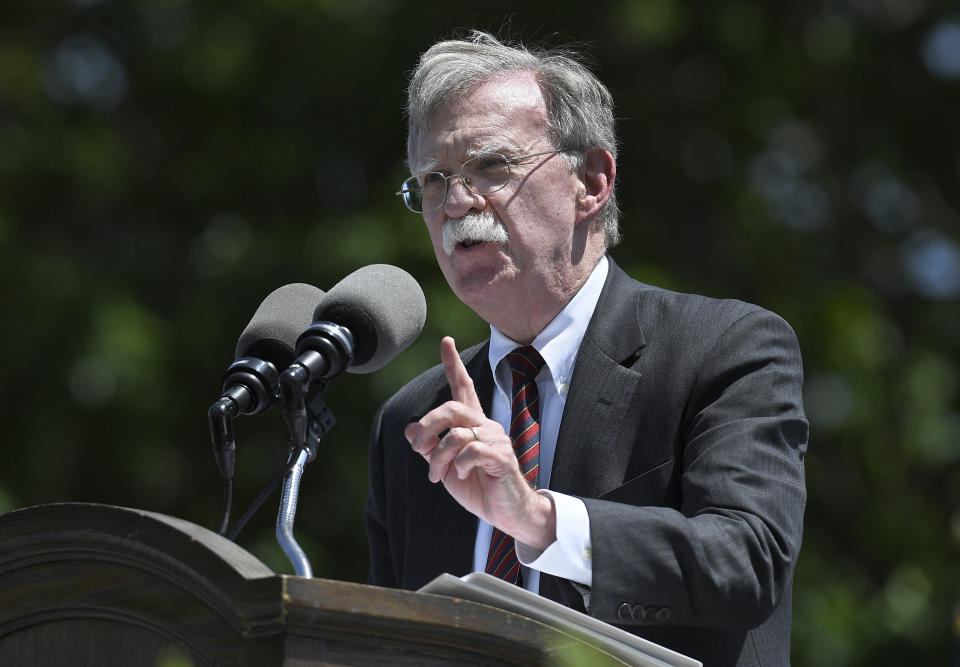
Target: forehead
x=504, y=112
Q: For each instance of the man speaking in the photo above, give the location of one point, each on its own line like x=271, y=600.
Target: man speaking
x=628, y=451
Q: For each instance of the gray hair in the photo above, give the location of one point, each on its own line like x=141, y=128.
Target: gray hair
x=579, y=106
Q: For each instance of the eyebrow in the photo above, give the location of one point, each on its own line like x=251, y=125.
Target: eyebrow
x=426, y=164
x=499, y=146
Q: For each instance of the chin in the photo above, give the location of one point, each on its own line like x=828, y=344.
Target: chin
x=479, y=289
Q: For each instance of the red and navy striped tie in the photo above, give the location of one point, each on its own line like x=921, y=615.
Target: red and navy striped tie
x=525, y=363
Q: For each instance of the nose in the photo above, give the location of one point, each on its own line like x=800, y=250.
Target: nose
x=461, y=199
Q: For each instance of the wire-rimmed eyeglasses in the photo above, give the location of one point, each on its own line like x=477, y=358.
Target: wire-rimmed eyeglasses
x=483, y=175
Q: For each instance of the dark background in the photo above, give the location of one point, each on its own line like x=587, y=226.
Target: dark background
x=165, y=165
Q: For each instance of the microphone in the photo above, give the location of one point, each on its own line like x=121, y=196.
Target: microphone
x=359, y=326
x=266, y=345
x=363, y=322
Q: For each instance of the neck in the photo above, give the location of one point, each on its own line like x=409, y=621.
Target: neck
x=525, y=322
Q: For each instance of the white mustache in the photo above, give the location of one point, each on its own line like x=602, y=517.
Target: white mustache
x=474, y=227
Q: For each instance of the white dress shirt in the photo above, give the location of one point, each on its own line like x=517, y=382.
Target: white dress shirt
x=558, y=343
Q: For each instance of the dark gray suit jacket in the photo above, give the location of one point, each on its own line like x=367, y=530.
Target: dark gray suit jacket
x=683, y=433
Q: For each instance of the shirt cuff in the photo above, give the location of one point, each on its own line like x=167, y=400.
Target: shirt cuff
x=569, y=556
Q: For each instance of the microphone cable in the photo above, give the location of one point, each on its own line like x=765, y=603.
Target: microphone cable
x=227, y=503
x=260, y=499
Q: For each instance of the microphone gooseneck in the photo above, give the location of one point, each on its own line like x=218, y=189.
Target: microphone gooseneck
x=359, y=326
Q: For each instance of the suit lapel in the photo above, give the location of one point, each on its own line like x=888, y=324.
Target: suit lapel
x=590, y=458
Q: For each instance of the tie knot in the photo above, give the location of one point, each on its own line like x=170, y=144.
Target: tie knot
x=525, y=362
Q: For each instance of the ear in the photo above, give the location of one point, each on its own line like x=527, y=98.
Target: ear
x=598, y=173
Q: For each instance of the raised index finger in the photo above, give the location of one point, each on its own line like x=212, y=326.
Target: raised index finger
x=461, y=385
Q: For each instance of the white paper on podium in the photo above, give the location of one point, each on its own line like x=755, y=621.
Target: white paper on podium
x=485, y=589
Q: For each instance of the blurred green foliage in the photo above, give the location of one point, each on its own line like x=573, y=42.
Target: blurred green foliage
x=165, y=164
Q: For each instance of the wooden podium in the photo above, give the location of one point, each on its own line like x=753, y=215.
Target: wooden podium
x=100, y=585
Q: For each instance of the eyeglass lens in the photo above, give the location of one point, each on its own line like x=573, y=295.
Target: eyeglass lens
x=483, y=175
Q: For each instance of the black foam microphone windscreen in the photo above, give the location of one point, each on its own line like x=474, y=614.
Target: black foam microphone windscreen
x=272, y=332
x=383, y=307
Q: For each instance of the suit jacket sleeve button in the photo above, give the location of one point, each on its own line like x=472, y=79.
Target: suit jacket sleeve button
x=638, y=613
x=663, y=615
x=624, y=612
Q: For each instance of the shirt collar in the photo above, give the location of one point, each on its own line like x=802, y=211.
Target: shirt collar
x=559, y=341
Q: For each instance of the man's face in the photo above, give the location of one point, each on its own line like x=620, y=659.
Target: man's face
x=507, y=283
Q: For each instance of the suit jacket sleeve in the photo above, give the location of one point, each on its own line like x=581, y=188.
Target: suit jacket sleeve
x=721, y=554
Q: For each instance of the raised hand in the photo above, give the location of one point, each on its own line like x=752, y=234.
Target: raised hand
x=476, y=462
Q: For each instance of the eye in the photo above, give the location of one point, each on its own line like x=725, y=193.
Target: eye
x=431, y=179
x=488, y=162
